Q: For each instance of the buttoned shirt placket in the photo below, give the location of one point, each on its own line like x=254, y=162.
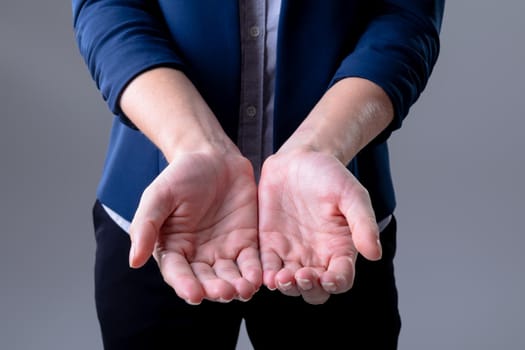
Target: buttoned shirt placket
x=251, y=113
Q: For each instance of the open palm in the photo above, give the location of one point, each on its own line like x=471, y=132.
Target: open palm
x=314, y=218
x=199, y=219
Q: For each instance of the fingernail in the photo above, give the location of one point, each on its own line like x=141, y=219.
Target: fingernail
x=131, y=255
x=380, y=247
x=192, y=303
x=285, y=286
x=329, y=286
x=341, y=279
x=244, y=299
x=304, y=284
x=222, y=300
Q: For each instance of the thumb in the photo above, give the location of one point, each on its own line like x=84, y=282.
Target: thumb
x=359, y=213
x=144, y=230
x=143, y=237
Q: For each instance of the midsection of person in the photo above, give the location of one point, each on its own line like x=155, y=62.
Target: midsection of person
x=235, y=68
x=261, y=66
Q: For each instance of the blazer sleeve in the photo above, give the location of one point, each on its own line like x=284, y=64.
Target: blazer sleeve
x=397, y=51
x=118, y=40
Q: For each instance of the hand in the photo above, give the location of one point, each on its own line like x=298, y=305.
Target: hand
x=199, y=219
x=314, y=218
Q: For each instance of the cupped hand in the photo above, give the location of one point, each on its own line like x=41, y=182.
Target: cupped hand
x=199, y=220
x=314, y=219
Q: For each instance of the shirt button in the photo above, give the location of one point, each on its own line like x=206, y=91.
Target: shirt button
x=254, y=31
x=251, y=111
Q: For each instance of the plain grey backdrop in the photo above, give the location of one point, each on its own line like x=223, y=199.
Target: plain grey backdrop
x=458, y=164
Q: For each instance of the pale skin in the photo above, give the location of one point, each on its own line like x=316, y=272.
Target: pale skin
x=216, y=234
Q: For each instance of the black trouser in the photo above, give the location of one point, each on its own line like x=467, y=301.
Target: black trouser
x=137, y=310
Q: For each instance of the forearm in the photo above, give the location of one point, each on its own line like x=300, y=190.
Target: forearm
x=168, y=109
x=350, y=115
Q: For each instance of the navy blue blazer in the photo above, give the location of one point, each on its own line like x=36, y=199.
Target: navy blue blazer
x=394, y=43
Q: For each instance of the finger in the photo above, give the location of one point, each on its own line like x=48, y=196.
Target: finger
x=271, y=265
x=151, y=213
x=339, y=277
x=359, y=213
x=143, y=236
x=178, y=273
x=309, y=287
x=285, y=280
x=215, y=288
x=305, y=279
x=250, y=266
x=229, y=271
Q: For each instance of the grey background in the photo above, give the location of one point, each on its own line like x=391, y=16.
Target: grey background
x=458, y=165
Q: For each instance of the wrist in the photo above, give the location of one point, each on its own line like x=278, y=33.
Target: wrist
x=165, y=105
x=197, y=142
x=313, y=139
x=350, y=115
